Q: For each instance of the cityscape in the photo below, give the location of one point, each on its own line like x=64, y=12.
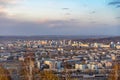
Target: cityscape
x=59, y=40
x=60, y=59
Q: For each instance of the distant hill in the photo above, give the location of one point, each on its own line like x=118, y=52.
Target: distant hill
x=102, y=40
x=55, y=37
x=46, y=37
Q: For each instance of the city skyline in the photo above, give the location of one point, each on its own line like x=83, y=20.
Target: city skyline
x=59, y=17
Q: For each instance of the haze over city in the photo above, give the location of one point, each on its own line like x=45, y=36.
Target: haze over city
x=59, y=17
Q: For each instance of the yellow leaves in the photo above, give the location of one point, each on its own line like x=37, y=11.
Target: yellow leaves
x=4, y=74
x=115, y=73
x=29, y=71
x=48, y=75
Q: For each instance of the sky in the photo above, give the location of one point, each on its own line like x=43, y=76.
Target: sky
x=60, y=17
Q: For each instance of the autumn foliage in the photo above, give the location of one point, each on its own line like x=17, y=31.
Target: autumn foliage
x=115, y=73
x=4, y=74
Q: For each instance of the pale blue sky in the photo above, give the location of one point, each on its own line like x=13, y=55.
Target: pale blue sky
x=60, y=17
x=48, y=8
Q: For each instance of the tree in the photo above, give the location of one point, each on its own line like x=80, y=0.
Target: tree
x=115, y=73
x=29, y=72
x=4, y=74
x=48, y=75
x=27, y=69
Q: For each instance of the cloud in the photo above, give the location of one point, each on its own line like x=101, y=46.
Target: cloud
x=2, y=11
x=92, y=12
x=59, y=27
x=117, y=17
x=74, y=20
x=118, y=6
x=65, y=8
x=93, y=22
x=8, y=1
x=45, y=27
x=4, y=4
x=115, y=3
x=67, y=14
x=16, y=27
